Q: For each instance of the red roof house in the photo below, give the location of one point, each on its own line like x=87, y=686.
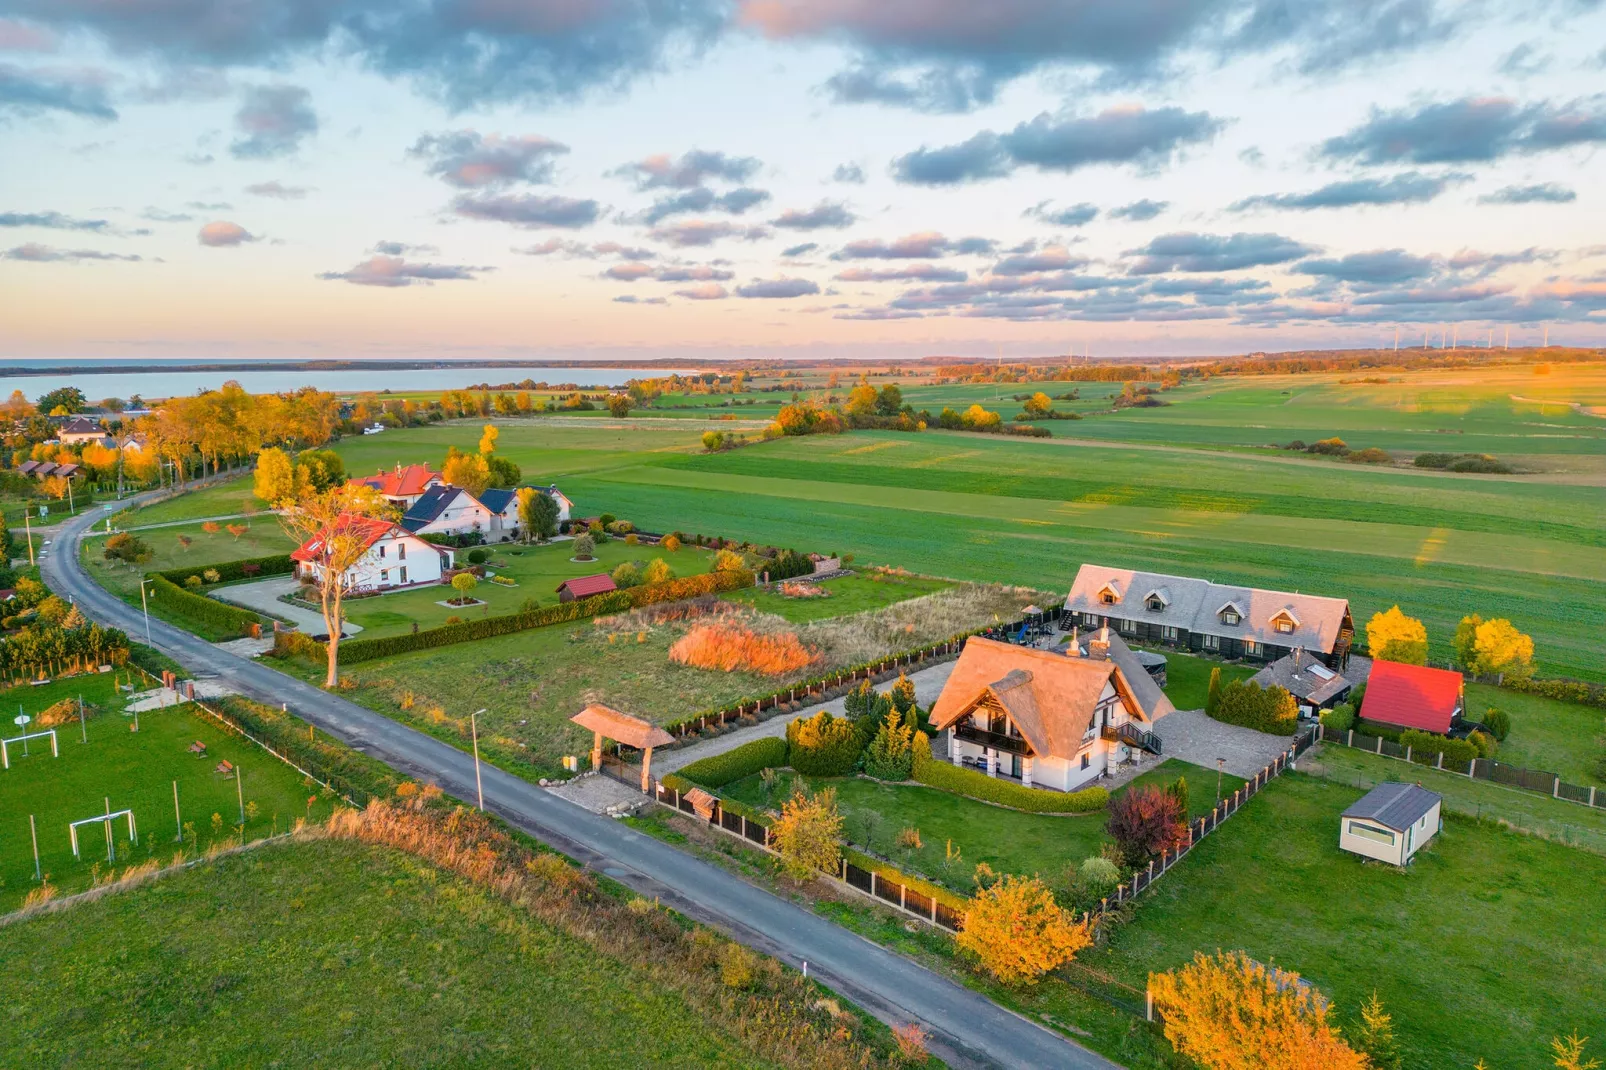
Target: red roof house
x=369, y=528
x=585, y=587
x=404, y=484
x=1412, y=696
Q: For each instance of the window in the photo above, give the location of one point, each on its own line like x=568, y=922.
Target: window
x=1229, y=617
x=1107, y=596
x=404, y=573
x=1251, y=647
x=1168, y=633
x=1371, y=832
x=381, y=549
x=1212, y=643
x=384, y=575
x=1284, y=625
x=1085, y=761
x=1155, y=605
x=401, y=551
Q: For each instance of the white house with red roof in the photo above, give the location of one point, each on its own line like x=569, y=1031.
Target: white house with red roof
x=393, y=557
x=402, y=486
x=1413, y=696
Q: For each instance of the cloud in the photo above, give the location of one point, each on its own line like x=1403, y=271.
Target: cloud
x=527, y=210
x=701, y=199
x=911, y=273
x=158, y=215
x=695, y=168
x=778, y=288
x=1470, y=130
x=468, y=159
x=832, y=215
x=1377, y=266
x=708, y=291
x=848, y=172
x=1524, y=61
x=628, y=272
x=393, y=272
x=692, y=273
x=926, y=245
x=1077, y=215
x=1183, y=251
x=1139, y=211
x=800, y=250
x=39, y=90
x=934, y=89
x=35, y=253
x=21, y=37
x=398, y=248
x=1412, y=187
x=272, y=121
x=1053, y=258
x=632, y=299
x=210, y=206
x=53, y=221
x=1541, y=193
x=278, y=191
x=221, y=234
x=582, y=250
x=1064, y=142
x=700, y=232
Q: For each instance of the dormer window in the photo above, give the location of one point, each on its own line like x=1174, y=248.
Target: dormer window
x=1110, y=595
x=1284, y=625
x=1230, y=617
x=1154, y=604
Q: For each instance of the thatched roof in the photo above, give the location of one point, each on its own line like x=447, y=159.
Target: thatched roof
x=621, y=727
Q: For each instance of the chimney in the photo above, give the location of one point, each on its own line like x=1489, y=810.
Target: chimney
x=1098, y=647
x=1074, y=647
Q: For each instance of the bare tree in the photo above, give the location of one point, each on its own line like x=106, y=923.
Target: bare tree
x=336, y=528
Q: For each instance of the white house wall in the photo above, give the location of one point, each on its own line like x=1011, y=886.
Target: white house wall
x=382, y=571
x=462, y=516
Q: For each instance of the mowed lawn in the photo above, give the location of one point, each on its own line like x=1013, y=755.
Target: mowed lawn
x=536, y=571
x=958, y=833
x=844, y=596
x=1187, y=678
x=332, y=954
x=1565, y=738
x=1486, y=947
x=135, y=770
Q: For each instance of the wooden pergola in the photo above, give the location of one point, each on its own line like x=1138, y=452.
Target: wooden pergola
x=621, y=728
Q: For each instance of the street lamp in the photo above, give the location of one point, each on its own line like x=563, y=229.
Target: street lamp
x=146, y=609
x=1221, y=763
x=474, y=727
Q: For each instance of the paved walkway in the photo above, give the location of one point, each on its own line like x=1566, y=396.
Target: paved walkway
x=928, y=685
x=269, y=513
x=161, y=697
x=263, y=596
x=967, y=1027
x=602, y=795
x=1192, y=736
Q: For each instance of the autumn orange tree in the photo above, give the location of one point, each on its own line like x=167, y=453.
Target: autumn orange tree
x=332, y=526
x=1228, y=1012
x=808, y=834
x=1016, y=931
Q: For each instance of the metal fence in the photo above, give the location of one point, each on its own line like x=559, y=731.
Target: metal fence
x=1536, y=780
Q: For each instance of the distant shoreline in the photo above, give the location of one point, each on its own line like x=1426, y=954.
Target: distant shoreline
x=337, y=366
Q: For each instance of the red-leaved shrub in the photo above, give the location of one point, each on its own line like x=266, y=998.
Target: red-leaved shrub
x=729, y=647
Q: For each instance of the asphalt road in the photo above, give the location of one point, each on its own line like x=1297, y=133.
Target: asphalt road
x=967, y=1027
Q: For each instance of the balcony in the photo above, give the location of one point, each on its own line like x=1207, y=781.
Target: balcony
x=996, y=740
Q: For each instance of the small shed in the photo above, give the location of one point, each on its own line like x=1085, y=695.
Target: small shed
x=622, y=728
x=585, y=587
x=1391, y=822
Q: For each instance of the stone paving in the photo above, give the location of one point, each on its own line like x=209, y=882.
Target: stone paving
x=1191, y=736
x=263, y=596
x=601, y=794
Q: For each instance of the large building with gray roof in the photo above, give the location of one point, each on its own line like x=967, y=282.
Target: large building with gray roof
x=1214, y=618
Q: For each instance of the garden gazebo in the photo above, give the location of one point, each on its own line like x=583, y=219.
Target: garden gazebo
x=621, y=728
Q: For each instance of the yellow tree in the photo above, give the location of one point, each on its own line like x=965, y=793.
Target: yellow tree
x=1393, y=636
x=334, y=527
x=1228, y=1012
x=808, y=834
x=488, y=440
x=861, y=400
x=1016, y=930
x=275, y=476
x=1569, y=1053
x=467, y=470
x=1498, y=648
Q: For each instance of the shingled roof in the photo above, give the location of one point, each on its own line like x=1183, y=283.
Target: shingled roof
x=1305, y=677
x=404, y=481
x=1394, y=805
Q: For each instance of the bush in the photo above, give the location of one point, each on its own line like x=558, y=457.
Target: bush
x=227, y=619
x=729, y=647
x=1586, y=694
x=1479, y=462
x=788, y=564
x=1484, y=742
x=355, y=650
x=246, y=568
x=1498, y=722
x=1370, y=455
x=889, y=756
x=1330, y=447
x=823, y=745
x=1425, y=746
x=1433, y=460
x=626, y=575
x=1146, y=821
x=478, y=556
x=193, y=583
x=1247, y=704
x=585, y=547
x=1340, y=718
x=717, y=770
x=970, y=783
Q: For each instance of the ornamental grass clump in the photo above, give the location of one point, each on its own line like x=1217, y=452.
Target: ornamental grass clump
x=728, y=646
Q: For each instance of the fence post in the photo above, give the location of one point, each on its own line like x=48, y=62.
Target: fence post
x=1472, y=768
x=873, y=881
x=1440, y=763
x=1408, y=752
x=903, y=896
x=744, y=826
x=1592, y=796
x=1350, y=742
x=1555, y=790
x=1380, y=744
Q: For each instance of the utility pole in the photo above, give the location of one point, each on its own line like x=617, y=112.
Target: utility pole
x=27, y=527
x=143, y=605
x=474, y=726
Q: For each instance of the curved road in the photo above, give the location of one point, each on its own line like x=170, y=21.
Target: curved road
x=966, y=1027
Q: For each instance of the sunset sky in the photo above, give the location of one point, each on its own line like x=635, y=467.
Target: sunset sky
x=697, y=178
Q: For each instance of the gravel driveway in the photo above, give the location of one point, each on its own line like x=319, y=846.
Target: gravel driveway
x=263, y=596
x=1191, y=736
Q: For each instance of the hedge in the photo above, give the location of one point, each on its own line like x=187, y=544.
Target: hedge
x=356, y=650
x=717, y=770
x=203, y=610
x=1585, y=694
x=1245, y=703
x=1426, y=745
x=976, y=785
x=272, y=565
x=886, y=871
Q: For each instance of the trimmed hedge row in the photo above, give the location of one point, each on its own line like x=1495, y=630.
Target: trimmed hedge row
x=271, y=565
x=717, y=770
x=887, y=871
x=1585, y=694
x=203, y=610
x=1426, y=745
x=976, y=785
x=356, y=650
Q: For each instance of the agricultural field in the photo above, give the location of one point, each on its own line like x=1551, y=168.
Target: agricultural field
x=134, y=770
x=295, y=945
x=531, y=682
x=1481, y=914
x=957, y=833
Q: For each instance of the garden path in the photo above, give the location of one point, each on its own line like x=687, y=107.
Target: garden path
x=263, y=596
x=928, y=685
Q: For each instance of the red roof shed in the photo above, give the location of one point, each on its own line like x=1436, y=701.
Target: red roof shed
x=1412, y=696
x=585, y=587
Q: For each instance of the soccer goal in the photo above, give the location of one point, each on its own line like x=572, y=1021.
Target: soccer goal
x=105, y=820
x=7, y=744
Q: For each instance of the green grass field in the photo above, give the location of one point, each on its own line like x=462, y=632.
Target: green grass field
x=333, y=954
x=848, y=595
x=1007, y=840
x=1564, y=738
x=134, y=770
x=1486, y=947
x=1187, y=678
x=229, y=498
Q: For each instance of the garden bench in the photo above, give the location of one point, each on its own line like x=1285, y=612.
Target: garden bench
x=198, y=748
x=225, y=767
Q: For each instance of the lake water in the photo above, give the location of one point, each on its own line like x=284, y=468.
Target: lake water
x=111, y=383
